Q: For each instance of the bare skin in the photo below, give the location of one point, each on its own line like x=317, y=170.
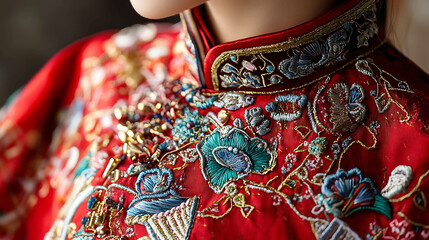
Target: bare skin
x=156, y=9
x=237, y=19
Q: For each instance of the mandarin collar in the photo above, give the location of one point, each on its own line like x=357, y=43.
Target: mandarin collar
x=289, y=59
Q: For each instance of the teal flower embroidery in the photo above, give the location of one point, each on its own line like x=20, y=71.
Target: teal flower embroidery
x=229, y=154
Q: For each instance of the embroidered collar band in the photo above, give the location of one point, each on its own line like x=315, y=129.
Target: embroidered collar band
x=289, y=59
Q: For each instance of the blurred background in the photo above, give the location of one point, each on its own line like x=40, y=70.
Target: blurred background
x=33, y=31
x=408, y=26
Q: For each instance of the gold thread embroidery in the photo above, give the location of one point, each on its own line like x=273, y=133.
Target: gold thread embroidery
x=387, y=86
x=350, y=15
x=374, y=137
x=413, y=222
x=307, y=83
x=284, y=182
x=286, y=198
x=303, y=135
x=174, y=151
x=379, y=234
x=202, y=214
x=423, y=198
x=272, y=179
x=413, y=190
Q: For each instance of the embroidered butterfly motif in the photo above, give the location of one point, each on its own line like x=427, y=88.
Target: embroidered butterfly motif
x=347, y=110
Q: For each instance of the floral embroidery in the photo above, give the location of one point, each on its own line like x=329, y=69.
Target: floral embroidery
x=233, y=101
x=369, y=29
x=191, y=127
x=314, y=164
x=229, y=154
x=346, y=192
x=238, y=123
x=154, y=193
x=316, y=54
x=249, y=75
x=374, y=230
x=255, y=119
x=347, y=111
x=287, y=107
x=269, y=66
x=316, y=147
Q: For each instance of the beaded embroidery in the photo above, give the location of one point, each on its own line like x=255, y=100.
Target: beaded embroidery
x=191, y=127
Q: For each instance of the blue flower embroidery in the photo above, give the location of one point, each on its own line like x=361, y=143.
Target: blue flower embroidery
x=316, y=54
x=346, y=192
x=154, y=193
x=229, y=154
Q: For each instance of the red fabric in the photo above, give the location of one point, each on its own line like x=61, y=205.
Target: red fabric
x=203, y=28
x=339, y=141
x=30, y=121
x=272, y=38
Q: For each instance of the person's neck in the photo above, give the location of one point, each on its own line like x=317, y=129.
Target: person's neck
x=237, y=19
